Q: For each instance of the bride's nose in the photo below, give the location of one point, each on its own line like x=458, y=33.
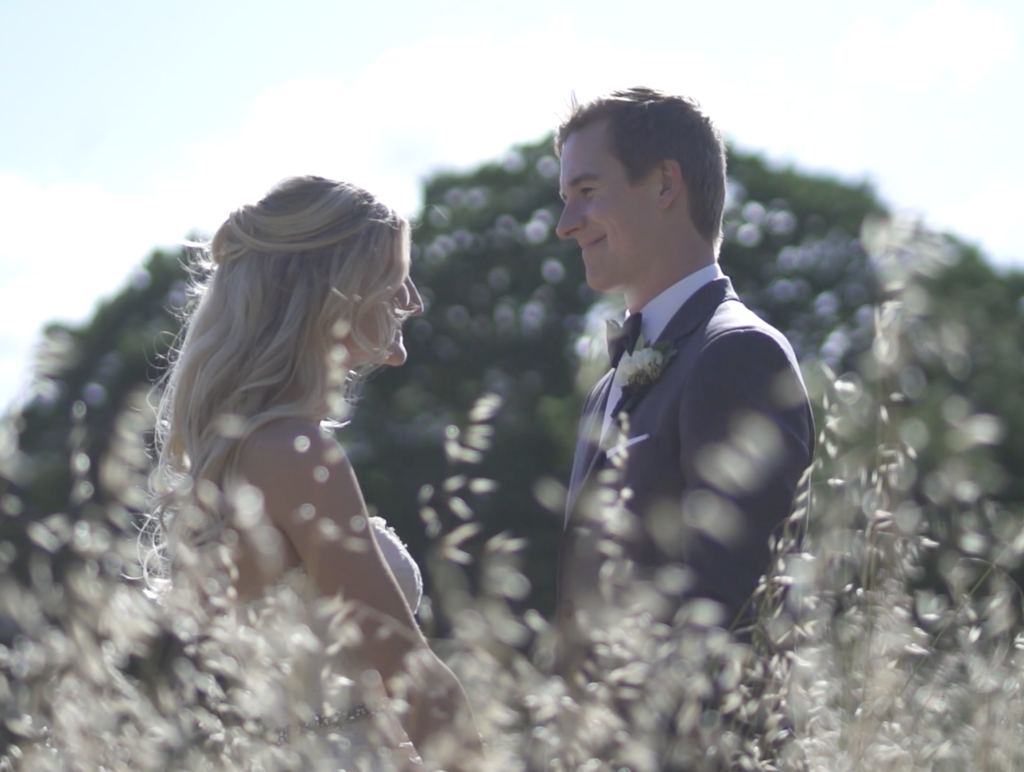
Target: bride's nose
x=415, y=299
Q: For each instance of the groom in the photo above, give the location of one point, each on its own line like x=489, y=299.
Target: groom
x=708, y=411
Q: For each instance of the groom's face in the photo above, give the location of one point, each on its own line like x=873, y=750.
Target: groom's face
x=608, y=216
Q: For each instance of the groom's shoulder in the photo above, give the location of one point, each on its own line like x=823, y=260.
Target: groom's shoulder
x=733, y=313
x=734, y=316
x=735, y=327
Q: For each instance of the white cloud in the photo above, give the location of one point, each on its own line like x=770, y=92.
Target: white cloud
x=442, y=103
x=990, y=209
x=946, y=42
x=452, y=102
x=61, y=248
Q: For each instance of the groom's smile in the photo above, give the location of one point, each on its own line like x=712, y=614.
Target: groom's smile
x=608, y=215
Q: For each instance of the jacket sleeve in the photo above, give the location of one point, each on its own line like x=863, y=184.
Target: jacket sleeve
x=746, y=439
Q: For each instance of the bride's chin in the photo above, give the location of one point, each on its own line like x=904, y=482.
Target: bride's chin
x=398, y=354
x=397, y=357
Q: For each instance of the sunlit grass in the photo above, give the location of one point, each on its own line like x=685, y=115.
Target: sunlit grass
x=877, y=647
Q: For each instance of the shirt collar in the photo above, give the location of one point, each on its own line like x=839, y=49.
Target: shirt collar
x=659, y=311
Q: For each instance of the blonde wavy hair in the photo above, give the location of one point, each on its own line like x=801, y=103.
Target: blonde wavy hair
x=274, y=293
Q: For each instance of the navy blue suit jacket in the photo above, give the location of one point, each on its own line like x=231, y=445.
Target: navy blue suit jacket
x=715, y=450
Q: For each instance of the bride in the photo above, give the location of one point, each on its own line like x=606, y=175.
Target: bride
x=298, y=297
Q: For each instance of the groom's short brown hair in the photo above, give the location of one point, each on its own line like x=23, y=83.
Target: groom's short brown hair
x=646, y=127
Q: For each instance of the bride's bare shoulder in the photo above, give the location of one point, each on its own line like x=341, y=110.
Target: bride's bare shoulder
x=288, y=446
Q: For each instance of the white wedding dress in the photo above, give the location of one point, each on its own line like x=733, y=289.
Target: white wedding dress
x=301, y=682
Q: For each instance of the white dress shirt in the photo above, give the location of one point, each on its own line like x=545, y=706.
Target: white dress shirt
x=656, y=316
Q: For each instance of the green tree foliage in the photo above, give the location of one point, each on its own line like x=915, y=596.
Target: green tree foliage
x=971, y=347
x=80, y=435
x=509, y=313
x=961, y=363
x=792, y=249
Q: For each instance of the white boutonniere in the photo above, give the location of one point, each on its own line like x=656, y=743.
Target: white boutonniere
x=643, y=365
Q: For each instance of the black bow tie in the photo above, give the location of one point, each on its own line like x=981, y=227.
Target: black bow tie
x=622, y=337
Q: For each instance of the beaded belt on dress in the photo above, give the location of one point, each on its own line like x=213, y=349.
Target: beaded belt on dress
x=320, y=722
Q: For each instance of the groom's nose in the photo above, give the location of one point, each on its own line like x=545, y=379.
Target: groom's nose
x=569, y=223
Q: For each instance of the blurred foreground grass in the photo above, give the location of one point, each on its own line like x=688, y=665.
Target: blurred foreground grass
x=880, y=646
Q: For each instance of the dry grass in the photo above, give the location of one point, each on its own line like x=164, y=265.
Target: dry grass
x=855, y=663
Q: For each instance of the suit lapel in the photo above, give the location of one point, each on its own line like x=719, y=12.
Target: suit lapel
x=688, y=318
x=693, y=313
x=588, y=451
x=698, y=308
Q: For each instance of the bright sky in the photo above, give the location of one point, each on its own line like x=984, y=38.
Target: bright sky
x=128, y=124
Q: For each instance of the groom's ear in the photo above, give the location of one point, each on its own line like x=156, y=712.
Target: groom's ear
x=670, y=176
